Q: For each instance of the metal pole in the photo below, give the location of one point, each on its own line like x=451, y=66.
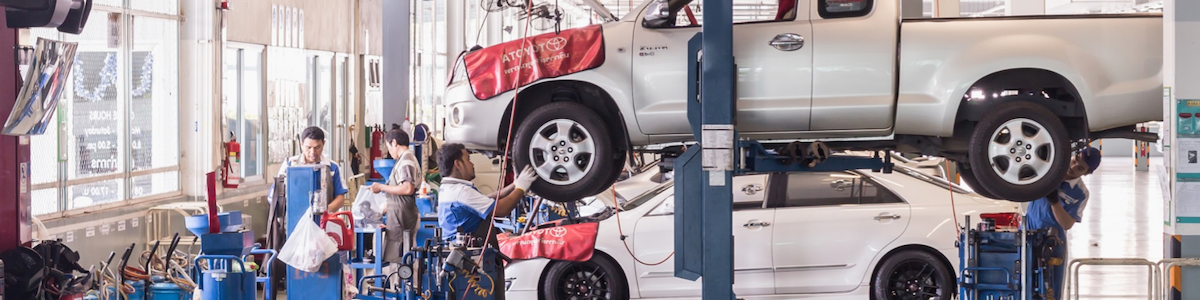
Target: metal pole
x=717, y=90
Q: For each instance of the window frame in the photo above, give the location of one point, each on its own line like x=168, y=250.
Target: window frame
x=641, y=18
x=823, y=11
x=242, y=49
x=781, y=201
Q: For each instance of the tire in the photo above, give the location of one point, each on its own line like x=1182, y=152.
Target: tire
x=969, y=179
x=587, y=164
x=596, y=278
x=996, y=153
x=913, y=274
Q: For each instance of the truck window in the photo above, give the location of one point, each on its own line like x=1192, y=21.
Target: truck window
x=832, y=9
x=683, y=13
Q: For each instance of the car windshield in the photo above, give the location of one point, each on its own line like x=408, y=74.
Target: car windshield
x=938, y=181
x=644, y=197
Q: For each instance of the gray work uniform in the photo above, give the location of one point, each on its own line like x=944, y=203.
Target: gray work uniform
x=402, y=214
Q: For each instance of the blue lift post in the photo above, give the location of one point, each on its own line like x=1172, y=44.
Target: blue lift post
x=703, y=197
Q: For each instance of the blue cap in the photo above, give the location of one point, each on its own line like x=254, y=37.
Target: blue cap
x=1091, y=156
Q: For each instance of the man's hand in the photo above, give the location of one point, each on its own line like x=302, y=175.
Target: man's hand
x=525, y=179
x=376, y=188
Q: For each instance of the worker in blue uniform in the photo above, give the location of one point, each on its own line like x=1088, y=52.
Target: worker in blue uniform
x=466, y=213
x=312, y=144
x=1060, y=210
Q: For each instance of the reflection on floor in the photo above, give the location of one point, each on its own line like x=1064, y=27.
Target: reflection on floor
x=1123, y=219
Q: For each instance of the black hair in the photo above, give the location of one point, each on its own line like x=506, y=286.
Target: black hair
x=313, y=133
x=449, y=154
x=397, y=136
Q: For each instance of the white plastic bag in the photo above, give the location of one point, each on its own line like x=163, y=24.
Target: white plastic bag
x=368, y=208
x=307, y=247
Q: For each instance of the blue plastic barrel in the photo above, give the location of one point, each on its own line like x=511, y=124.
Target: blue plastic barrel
x=168, y=291
x=139, y=291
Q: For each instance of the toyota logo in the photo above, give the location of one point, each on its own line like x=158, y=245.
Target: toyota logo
x=558, y=232
x=556, y=43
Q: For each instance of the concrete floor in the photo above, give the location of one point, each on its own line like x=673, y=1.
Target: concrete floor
x=1123, y=219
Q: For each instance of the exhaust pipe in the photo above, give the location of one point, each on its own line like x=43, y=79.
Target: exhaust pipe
x=50, y=70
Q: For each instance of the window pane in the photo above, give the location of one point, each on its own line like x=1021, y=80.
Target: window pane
x=252, y=128
x=154, y=110
x=44, y=201
x=160, y=6
x=155, y=184
x=819, y=188
x=85, y=195
x=230, y=94
x=94, y=115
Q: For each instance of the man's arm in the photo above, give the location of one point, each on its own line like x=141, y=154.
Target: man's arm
x=503, y=192
x=1060, y=214
x=403, y=189
x=505, y=205
x=337, y=203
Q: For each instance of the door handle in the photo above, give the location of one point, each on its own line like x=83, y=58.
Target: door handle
x=759, y=224
x=787, y=42
x=886, y=216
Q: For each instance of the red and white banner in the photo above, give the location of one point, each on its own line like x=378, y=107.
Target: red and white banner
x=502, y=68
x=574, y=242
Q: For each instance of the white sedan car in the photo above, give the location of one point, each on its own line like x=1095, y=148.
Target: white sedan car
x=890, y=236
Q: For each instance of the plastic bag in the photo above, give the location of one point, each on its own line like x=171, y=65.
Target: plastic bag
x=368, y=208
x=307, y=247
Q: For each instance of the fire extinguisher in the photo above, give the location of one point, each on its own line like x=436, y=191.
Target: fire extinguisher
x=376, y=149
x=231, y=173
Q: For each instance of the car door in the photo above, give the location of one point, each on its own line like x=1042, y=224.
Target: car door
x=854, y=45
x=653, y=240
x=828, y=228
x=773, y=84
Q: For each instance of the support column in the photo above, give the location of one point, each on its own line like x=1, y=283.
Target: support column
x=1181, y=30
x=1025, y=7
x=14, y=163
x=396, y=51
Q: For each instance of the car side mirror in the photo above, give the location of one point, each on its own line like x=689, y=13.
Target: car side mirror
x=658, y=15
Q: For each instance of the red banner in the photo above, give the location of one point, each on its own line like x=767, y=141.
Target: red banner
x=502, y=68
x=574, y=242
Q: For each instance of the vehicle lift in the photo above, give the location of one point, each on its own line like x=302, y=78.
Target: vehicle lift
x=703, y=198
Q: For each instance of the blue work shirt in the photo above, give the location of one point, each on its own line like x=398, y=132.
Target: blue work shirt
x=461, y=207
x=339, y=184
x=1071, y=193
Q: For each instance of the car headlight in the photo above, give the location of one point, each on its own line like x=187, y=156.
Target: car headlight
x=459, y=73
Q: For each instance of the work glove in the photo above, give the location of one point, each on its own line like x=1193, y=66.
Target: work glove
x=1052, y=197
x=525, y=179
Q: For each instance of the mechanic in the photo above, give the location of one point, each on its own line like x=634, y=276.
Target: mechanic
x=464, y=212
x=312, y=143
x=401, y=189
x=1062, y=209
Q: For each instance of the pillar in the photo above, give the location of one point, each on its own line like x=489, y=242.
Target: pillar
x=14, y=162
x=1181, y=30
x=396, y=51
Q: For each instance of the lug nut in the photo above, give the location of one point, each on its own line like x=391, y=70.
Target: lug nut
x=1013, y=150
x=1028, y=146
x=570, y=149
x=556, y=158
x=553, y=148
x=566, y=159
x=562, y=143
x=1018, y=159
x=1020, y=143
x=1027, y=156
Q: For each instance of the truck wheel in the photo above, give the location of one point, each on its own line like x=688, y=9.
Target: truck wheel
x=1019, y=152
x=569, y=147
x=969, y=179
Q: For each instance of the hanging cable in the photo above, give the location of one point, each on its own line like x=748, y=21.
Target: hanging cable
x=622, y=232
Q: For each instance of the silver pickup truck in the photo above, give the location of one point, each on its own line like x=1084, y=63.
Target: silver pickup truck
x=1005, y=97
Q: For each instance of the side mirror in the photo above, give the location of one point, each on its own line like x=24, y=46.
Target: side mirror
x=659, y=15
x=48, y=75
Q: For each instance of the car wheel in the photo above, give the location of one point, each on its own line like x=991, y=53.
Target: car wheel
x=969, y=178
x=595, y=279
x=570, y=148
x=1019, y=152
x=913, y=275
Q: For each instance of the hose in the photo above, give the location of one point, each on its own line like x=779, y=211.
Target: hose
x=174, y=272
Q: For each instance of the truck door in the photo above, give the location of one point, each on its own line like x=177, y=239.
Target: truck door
x=854, y=44
x=774, y=65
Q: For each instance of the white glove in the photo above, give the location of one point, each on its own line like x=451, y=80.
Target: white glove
x=525, y=179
